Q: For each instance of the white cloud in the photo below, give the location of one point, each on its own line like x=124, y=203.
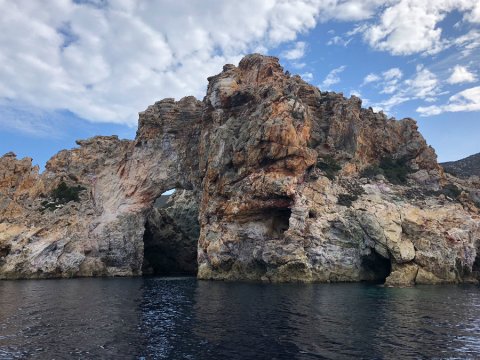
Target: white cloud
x=106, y=61
x=468, y=42
x=308, y=76
x=392, y=74
x=410, y=27
x=429, y=110
x=394, y=31
x=389, y=80
x=338, y=40
x=352, y=10
x=424, y=85
x=357, y=29
x=460, y=74
x=295, y=53
x=348, y=37
x=474, y=15
x=371, y=78
x=298, y=65
x=466, y=100
x=355, y=93
x=332, y=78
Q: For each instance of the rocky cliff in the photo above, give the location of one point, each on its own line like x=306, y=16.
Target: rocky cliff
x=293, y=184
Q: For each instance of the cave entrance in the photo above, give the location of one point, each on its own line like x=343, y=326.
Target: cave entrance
x=171, y=235
x=375, y=268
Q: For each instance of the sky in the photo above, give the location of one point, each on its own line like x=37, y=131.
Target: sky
x=72, y=69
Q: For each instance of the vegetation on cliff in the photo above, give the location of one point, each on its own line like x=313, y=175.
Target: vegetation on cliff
x=62, y=194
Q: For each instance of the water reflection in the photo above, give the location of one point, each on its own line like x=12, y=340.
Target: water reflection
x=69, y=318
x=156, y=318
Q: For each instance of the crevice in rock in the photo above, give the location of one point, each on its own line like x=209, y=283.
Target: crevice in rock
x=375, y=268
x=171, y=235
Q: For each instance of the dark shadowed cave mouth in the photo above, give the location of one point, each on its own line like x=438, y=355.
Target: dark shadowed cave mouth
x=375, y=268
x=170, y=239
x=280, y=220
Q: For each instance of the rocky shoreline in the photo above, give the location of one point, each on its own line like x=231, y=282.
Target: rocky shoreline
x=289, y=184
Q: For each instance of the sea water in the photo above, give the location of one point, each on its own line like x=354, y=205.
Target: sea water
x=182, y=318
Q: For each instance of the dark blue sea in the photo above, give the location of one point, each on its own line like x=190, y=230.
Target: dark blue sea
x=182, y=318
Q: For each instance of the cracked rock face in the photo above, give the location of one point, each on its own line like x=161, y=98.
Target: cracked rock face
x=278, y=168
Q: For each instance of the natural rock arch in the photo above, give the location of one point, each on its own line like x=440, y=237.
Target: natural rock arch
x=269, y=157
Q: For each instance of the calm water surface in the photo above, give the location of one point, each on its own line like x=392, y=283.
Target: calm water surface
x=182, y=318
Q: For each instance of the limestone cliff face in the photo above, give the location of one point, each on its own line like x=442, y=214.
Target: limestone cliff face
x=293, y=184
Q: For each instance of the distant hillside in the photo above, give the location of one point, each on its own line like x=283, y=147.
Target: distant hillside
x=464, y=167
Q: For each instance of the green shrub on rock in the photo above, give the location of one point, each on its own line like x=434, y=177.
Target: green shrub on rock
x=394, y=170
x=62, y=194
x=346, y=199
x=329, y=166
x=371, y=171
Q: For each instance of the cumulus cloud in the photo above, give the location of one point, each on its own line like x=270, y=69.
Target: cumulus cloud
x=352, y=10
x=107, y=60
x=424, y=85
x=461, y=74
x=474, y=15
x=408, y=27
x=466, y=100
x=308, y=76
x=332, y=78
x=295, y=53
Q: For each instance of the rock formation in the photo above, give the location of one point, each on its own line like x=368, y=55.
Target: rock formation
x=293, y=184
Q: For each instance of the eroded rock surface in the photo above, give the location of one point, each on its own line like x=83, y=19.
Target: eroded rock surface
x=294, y=184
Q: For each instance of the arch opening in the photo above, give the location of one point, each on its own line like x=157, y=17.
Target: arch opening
x=171, y=235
